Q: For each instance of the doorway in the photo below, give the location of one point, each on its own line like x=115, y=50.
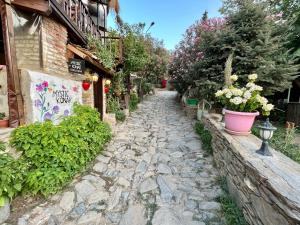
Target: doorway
x=98, y=96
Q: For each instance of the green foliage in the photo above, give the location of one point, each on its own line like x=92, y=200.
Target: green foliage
x=283, y=141
x=2, y=146
x=112, y=104
x=120, y=116
x=205, y=137
x=52, y=155
x=12, y=176
x=135, y=55
x=133, y=102
x=105, y=54
x=231, y=212
x=2, y=115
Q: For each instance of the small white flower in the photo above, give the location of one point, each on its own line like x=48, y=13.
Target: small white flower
x=237, y=92
x=219, y=93
x=234, y=77
x=255, y=88
x=244, y=100
x=236, y=100
x=228, y=95
x=252, y=77
x=247, y=95
x=268, y=107
x=262, y=100
x=250, y=84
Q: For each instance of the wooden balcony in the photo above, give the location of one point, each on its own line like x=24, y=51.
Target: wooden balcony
x=79, y=21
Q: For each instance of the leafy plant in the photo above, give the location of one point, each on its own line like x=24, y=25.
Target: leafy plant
x=231, y=212
x=52, y=155
x=12, y=174
x=133, y=102
x=120, y=116
x=104, y=54
x=112, y=105
x=2, y=115
x=205, y=137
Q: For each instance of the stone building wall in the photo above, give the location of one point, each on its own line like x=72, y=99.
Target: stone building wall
x=28, y=50
x=267, y=189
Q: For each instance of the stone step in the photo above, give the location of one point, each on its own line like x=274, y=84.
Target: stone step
x=5, y=134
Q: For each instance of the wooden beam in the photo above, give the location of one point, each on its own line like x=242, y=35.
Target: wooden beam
x=39, y=6
x=15, y=101
x=84, y=56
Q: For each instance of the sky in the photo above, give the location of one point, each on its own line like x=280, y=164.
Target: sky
x=171, y=17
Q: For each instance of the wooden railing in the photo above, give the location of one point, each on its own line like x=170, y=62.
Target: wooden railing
x=79, y=14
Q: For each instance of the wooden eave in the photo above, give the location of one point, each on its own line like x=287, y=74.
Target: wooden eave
x=38, y=6
x=90, y=57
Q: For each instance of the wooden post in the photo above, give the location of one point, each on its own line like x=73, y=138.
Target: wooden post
x=15, y=101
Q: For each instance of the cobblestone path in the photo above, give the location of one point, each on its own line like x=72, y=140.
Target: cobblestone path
x=153, y=172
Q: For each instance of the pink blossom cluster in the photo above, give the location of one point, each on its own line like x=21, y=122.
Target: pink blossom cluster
x=188, y=51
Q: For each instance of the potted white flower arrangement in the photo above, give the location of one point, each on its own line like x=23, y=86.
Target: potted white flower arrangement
x=242, y=105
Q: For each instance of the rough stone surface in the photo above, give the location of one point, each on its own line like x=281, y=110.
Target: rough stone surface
x=152, y=172
x=4, y=212
x=134, y=216
x=277, y=201
x=67, y=201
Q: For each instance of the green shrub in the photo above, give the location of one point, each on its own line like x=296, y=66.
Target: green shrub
x=205, y=137
x=112, y=105
x=120, y=116
x=56, y=153
x=231, y=212
x=12, y=176
x=134, y=100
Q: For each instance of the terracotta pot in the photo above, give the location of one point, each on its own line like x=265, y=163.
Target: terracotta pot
x=3, y=123
x=239, y=123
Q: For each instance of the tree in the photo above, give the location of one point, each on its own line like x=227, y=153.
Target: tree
x=258, y=47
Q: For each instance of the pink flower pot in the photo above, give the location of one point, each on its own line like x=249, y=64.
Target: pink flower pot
x=239, y=123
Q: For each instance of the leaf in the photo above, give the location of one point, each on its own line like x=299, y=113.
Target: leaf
x=2, y=201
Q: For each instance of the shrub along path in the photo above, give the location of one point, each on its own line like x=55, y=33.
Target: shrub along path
x=153, y=172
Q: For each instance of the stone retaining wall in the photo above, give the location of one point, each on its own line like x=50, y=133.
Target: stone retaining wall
x=267, y=189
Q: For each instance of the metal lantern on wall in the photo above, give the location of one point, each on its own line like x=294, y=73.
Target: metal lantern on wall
x=266, y=133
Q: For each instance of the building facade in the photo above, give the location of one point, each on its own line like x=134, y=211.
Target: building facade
x=44, y=58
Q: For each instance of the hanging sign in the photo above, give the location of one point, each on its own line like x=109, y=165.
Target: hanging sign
x=77, y=66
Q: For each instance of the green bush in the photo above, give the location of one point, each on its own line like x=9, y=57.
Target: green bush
x=205, y=137
x=134, y=100
x=12, y=176
x=120, y=116
x=113, y=105
x=231, y=212
x=54, y=154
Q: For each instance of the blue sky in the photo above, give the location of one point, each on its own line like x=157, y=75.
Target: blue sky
x=171, y=17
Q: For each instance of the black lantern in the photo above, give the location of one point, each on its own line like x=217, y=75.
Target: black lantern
x=266, y=133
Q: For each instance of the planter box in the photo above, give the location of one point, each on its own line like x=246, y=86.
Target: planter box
x=191, y=111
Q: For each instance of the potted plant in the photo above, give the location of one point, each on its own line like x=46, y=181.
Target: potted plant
x=3, y=120
x=242, y=105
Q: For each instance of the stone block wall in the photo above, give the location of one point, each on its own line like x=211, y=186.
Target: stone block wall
x=267, y=189
x=28, y=50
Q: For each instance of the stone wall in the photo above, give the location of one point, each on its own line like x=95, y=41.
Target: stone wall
x=267, y=189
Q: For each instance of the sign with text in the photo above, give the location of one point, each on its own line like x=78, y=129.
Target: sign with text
x=51, y=97
x=77, y=66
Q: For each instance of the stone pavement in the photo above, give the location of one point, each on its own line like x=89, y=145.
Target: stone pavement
x=153, y=172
